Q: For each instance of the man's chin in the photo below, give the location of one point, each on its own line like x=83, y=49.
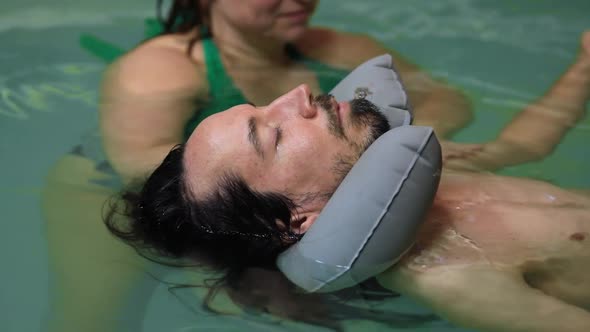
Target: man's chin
x=366, y=114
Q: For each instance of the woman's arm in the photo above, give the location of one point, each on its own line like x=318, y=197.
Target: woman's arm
x=435, y=103
x=147, y=97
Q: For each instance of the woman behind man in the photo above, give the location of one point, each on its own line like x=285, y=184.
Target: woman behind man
x=212, y=55
x=224, y=53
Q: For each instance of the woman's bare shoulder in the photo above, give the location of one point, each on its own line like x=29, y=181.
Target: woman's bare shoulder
x=158, y=65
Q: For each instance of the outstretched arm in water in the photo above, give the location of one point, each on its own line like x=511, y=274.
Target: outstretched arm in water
x=534, y=132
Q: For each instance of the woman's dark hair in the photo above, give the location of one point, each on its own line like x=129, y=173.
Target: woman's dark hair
x=183, y=16
x=232, y=231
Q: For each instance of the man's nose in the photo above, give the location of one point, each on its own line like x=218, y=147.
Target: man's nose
x=295, y=102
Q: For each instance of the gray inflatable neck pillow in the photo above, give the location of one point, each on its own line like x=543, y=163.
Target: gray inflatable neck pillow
x=374, y=215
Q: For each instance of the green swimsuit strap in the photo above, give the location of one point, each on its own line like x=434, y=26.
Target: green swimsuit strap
x=327, y=75
x=221, y=86
x=223, y=94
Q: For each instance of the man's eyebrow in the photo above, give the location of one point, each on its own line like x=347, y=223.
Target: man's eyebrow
x=253, y=137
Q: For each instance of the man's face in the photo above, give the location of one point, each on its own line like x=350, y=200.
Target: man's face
x=298, y=146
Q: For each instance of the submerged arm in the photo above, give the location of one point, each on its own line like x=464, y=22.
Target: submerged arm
x=539, y=128
x=435, y=103
x=485, y=299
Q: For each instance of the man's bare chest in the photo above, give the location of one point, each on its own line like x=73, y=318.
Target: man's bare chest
x=480, y=222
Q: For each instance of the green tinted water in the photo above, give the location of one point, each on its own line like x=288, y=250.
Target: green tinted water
x=501, y=53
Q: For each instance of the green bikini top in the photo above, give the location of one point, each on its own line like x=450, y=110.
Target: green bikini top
x=223, y=93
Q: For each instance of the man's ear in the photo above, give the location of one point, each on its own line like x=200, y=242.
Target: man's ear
x=301, y=222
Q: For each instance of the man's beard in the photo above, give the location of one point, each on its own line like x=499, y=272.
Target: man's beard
x=364, y=116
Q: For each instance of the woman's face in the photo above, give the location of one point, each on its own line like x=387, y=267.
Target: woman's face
x=285, y=20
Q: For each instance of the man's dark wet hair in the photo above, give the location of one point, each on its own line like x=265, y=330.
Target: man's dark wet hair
x=233, y=231
x=229, y=230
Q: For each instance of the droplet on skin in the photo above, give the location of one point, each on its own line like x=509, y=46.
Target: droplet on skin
x=450, y=233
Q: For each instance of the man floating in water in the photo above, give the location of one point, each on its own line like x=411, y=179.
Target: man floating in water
x=494, y=254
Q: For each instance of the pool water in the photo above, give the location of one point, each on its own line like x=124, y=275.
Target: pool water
x=503, y=54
